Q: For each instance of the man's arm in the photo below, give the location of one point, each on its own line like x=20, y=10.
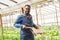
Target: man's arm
x=18, y=21
x=35, y=26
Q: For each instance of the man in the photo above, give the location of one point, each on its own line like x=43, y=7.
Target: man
x=23, y=21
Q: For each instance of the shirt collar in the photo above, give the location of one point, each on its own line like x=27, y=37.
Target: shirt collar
x=25, y=14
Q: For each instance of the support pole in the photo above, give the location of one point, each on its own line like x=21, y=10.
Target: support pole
x=36, y=14
x=1, y=26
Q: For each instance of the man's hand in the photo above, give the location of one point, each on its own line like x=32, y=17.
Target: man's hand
x=36, y=27
x=24, y=26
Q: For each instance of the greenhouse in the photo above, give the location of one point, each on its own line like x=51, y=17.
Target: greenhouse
x=45, y=14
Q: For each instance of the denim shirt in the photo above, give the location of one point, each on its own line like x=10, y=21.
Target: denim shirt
x=22, y=20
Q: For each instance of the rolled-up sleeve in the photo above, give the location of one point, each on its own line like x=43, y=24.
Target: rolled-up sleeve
x=18, y=21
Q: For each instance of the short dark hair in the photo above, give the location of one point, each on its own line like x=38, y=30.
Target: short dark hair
x=27, y=5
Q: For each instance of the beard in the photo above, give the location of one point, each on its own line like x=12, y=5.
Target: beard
x=27, y=12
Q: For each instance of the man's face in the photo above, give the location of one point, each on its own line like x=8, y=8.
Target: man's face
x=27, y=9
